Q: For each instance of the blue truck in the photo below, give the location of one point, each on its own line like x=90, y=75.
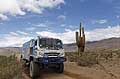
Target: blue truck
x=43, y=52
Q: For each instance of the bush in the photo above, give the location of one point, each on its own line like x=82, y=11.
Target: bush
x=90, y=58
x=72, y=56
x=10, y=68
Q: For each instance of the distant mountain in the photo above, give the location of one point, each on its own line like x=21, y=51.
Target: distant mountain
x=111, y=43
x=7, y=51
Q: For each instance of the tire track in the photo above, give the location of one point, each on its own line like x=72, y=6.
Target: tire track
x=75, y=76
x=48, y=74
x=45, y=75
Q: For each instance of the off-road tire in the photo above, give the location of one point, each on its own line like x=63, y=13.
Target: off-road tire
x=34, y=69
x=60, y=68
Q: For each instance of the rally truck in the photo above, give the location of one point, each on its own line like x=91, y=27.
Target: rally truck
x=44, y=52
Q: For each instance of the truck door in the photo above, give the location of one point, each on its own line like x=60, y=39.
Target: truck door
x=34, y=48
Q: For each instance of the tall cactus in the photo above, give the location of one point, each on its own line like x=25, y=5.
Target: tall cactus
x=80, y=39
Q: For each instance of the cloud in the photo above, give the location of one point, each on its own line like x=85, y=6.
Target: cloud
x=35, y=26
x=10, y=7
x=3, y=17
x=30, y=28
x=13, y=34
x=40, y=25
x=102, y=21
x=1, y=23
x=103, y=33
x=63, y=25
x=117, y=16
x=22, y=33
x=97, y=34
x=61, y=17
x=17, y=39
x=13, y=39
x=66, y=37
x=117, y=9
x=21, y=7
x=18, y=33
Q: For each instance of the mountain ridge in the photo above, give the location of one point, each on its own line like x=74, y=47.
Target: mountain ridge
x=110, y=43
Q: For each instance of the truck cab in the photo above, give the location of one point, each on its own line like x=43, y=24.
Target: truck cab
x=44, y=53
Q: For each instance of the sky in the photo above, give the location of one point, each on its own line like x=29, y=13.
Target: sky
x=22, y=20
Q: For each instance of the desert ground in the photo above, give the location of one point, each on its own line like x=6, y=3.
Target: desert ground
x=100, y=64
x=72, y=71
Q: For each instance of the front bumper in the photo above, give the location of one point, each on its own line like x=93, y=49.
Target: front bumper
x=51, y=60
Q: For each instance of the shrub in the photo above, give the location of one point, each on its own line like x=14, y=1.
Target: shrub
x=10, y=68
x=90, y=58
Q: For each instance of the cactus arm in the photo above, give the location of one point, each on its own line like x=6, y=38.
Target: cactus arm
x=77, y=38
x=80, y=30
x=83, y=31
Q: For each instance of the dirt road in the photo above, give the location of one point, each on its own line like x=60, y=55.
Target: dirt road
x=73, y=71
x=49, y=74
x=53, y=75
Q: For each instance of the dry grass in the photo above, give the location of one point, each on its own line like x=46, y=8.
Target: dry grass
x=10, y=68
x=90, y=58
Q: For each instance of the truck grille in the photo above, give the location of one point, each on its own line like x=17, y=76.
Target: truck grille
x=52, y=54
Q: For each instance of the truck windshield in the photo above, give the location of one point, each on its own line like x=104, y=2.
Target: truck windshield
x=50, y=43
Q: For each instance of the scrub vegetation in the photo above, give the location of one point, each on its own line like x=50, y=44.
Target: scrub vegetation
x=89, y=58
x=10, y=68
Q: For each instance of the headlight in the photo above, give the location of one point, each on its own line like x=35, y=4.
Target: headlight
x=41, y=54
x=62, y=54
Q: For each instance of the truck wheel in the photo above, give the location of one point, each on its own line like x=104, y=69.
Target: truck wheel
x=60, y=68
x=34, y=69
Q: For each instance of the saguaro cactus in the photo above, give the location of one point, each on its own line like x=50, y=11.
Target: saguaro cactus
x=80, y=39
